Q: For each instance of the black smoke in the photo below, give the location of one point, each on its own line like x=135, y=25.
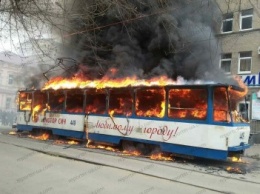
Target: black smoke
x=147, y=38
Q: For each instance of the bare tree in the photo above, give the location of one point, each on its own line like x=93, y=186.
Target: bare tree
x=22, y=20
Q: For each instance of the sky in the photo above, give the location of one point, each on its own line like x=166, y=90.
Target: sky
x=12, y=34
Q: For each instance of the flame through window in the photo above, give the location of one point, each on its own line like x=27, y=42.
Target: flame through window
x=150, y=102
x=74, y=101
x=120, y=102
x=96, y=101
x=181, y=102
x=25, y=101
x=187, y=104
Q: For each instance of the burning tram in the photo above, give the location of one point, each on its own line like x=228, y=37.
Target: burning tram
x=192, y=120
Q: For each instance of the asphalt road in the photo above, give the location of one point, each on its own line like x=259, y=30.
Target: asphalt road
x=29, y=166
x=42, y=173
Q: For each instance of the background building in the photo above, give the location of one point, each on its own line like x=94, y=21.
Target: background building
x=10, y=68
x=239, y=36
x=23, y=71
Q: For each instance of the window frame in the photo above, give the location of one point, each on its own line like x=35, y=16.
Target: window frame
x=227, y=19
x=10, y=79
x=197, y=119
x=217, y=109
x=27, y=100
x=225, y=59
x=137, y=102
x=243, y=58
x=8, y=102
x=59, y=107
x=68, y=101
x=241, y=17
x=87, y=103
x=247, y=112
x=115, y=91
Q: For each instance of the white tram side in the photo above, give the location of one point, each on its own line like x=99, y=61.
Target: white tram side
x=193, y=120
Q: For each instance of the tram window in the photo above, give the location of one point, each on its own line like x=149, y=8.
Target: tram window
x=188, y=104
x=120, y=102
x=40, y=101
x=25, y=101
x=96, y=101
x=221, y=113
x=56, y=100
x=150, y=102
x=74, y=102
x=243, y=110
x=238, y=108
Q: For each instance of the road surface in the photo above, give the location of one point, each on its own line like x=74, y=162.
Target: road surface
x=30, y=166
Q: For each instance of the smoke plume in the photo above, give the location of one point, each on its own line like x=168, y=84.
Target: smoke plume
x=147, y=38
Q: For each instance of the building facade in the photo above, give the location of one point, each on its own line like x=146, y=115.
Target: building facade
x=239, y=36
x=10, y=69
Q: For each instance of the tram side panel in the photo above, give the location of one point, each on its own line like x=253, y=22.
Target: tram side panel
x=60, y=124
x=201, y=140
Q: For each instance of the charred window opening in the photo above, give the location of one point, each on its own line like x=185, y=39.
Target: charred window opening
x=188, y=104
x=120, y=102
x=25, y=101
x=150, y=102
x=40, y=101
x=221, y=110
x=40, y=104
x=56, y=100
x=96, y=101
x=74, y=102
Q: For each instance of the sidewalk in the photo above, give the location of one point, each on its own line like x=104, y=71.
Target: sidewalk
x=5, y=128
x=253, y=151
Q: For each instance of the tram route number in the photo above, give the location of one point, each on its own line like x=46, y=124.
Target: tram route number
x=73, y=122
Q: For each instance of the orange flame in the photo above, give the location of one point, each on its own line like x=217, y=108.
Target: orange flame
x=131, y=153
x=234, y=170
x=12, y=133
x=196, y=105
x=240, y=94
x=108, y=148
x=25, y=101
x=44, y=136
x=105, y=82
x=73, y=142
x=59, y=142
x=236, y=159
x=159, y=156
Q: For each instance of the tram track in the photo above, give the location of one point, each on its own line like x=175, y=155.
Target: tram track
x=111, y=166
x=172, y=164
x=210, y=166
x=185, y=172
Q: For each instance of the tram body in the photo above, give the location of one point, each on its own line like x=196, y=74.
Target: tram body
x=192, y=120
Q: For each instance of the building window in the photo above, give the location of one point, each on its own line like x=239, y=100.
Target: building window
x=227, y=23
x=245, y=62
x=8, y=103
x=246, y=19
x=225, y=62
x=11, y=80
